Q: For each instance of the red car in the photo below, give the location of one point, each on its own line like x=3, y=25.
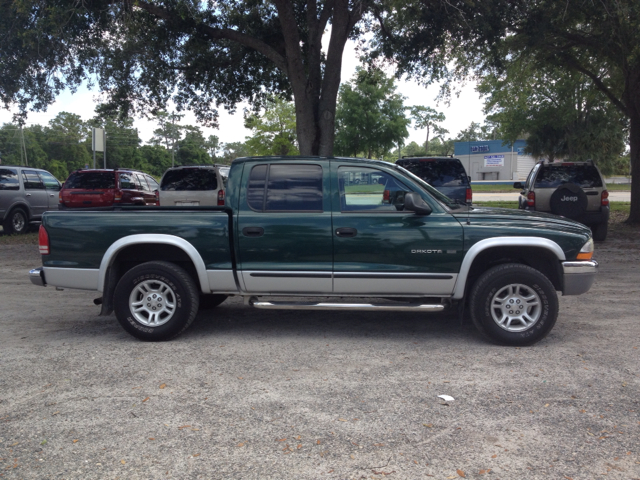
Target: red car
x=105, y=188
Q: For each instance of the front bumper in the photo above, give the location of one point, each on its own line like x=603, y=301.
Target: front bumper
x=578, y=276
x=37, y=277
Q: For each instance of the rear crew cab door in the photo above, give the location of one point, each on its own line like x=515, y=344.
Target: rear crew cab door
x=35, y=193
x=284, y=235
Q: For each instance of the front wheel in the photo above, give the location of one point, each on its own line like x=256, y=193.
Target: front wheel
x=514, y=304
x=156, y=301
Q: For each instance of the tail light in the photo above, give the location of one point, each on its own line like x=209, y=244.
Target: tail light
x=117, y=196
x=531, y=199
x=60, y=197
x=604, y=198
x=469, y=196
x=220, y=197
x=386, y=196
x=43, y=241
x=157, y=194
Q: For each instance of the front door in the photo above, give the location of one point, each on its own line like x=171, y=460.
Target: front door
x=284, y=228
x=380, y=249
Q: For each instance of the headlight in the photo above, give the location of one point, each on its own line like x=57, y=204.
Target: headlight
x=586, y=252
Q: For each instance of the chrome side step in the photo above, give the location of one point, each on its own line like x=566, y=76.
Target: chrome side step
x=396, y=307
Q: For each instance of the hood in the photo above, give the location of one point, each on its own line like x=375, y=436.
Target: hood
x=523, y=218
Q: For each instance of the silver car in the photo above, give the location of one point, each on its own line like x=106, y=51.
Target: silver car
x=25, y=194
x=193, y=185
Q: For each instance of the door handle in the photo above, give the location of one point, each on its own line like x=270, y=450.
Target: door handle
x=27, y=195
x=346, y=232
x=253, y=231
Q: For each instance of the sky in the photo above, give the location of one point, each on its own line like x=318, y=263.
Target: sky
x=461, y=111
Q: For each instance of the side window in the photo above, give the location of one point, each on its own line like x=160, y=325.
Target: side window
x=126, y=181
x=285, y=188
x=153, y=185
x=143, y=182
x=364, y=188
x=50, y=182
x=32, y=180
x=9, y=179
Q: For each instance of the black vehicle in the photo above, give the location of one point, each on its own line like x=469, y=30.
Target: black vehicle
x=445, y=174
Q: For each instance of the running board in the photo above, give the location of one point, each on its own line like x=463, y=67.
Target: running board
x=396, y=307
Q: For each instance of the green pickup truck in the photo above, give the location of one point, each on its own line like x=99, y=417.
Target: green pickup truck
x=320, y=234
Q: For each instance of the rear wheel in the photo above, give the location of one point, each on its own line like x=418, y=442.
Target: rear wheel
x=600, y=231
x=156, y=301
x=514, y=304
x=16, y=222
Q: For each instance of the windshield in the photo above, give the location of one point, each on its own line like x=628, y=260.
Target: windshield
x=442, y=198
x=189, y=179
x=438, y=173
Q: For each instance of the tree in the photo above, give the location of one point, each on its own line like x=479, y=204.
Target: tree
x=597, y=39
x=207, y=54
x=562, y=114
x=427, y=117
x=370, y=117
x=192, y=150
x=274, y=132
x=122, y=141
x=233, y=150
x=65, y=138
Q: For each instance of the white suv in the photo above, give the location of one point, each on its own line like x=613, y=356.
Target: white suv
x=193, y=185
x=574, y=190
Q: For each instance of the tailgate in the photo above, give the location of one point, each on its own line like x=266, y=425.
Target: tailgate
x=75, y=198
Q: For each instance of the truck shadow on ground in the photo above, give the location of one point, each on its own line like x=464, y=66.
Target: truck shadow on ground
x=235, y=318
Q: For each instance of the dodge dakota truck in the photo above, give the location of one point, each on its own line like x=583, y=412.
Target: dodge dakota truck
x=312, y=233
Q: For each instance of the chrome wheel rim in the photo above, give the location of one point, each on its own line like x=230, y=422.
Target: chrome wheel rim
x=18, y=222
x=152, y=303
x=516, y=307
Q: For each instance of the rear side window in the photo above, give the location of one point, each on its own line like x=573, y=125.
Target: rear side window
x=582, y=175
x=189, y=179
x=91, y=180
x=31, y=180
x=127, y=181
x=437, y=173
x=9, y=179
x=278, y=188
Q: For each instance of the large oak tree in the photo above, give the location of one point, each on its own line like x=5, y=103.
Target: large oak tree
x=202, y=55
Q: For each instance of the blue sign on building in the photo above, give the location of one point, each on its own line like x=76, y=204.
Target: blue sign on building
x=479, y=148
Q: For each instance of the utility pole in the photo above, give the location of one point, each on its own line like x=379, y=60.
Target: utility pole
x=24, y=148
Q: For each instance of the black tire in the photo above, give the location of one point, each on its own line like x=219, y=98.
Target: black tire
x=569, y=200
x=169, y=285
x=209, y=301
x=16, y=222
x=511, y=285
x=600, y=231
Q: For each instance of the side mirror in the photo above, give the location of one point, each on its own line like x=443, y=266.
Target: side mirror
x=518, y=185
x=414, y=203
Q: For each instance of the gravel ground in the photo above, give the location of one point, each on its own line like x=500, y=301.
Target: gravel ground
x=249, y=394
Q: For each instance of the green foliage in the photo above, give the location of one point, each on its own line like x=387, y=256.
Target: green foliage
x=273, y=132
x=427, y=117
x=233, y=150
x=562, y=114
x=370, y=117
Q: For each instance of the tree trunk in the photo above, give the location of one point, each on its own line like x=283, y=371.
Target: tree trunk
x=634, y=146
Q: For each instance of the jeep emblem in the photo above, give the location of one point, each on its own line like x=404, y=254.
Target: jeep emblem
x=569, y=199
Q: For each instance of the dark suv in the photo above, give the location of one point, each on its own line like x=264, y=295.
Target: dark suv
x=25, y=194
x=106, y=188
x=574, y=190
x=445, y=174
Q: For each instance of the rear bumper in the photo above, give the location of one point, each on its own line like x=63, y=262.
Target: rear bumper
x=37, y=277
x=578, y=276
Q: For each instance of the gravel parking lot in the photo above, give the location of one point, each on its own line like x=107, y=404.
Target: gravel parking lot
x=249, y=394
